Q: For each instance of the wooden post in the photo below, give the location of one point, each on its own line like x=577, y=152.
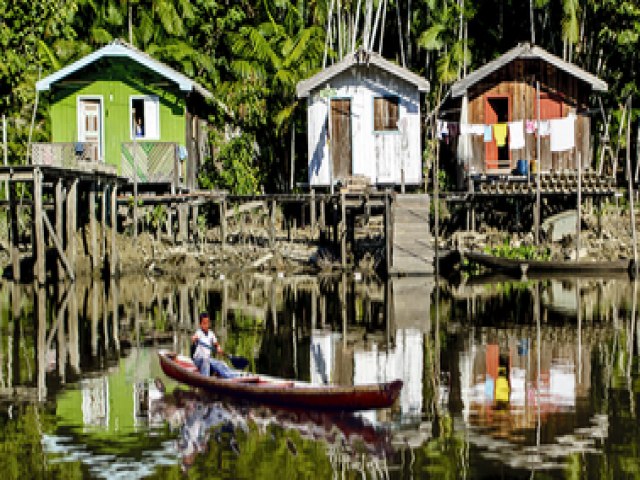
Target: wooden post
x=388, y=231
x=272, y=224
x=41, y=314
x=93, y=227
x=103, y=223
x=631, y=196
x=223, y=222
x=195, y=233
x=312, y=213
x=15, y=232
x=579, y=207
x=114, y=230
x=39, y=247
x=58, y=244
x=72, y=204
x=5, y=153
x=538, y=170
x=343, y=230
x=59, y=199
x=115, y=318
x=74, y=336
x=94, y=318
x=183, y=218
x=323, y=217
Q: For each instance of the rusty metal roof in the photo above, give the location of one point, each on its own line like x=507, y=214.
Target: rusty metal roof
x=526, y=51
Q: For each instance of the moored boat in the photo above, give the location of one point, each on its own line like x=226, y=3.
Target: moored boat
x=520, y=266
x=276, y=391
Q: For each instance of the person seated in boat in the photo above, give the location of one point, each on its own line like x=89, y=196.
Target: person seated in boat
x=206, y=343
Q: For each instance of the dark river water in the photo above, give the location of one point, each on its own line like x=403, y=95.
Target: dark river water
x=503, y=378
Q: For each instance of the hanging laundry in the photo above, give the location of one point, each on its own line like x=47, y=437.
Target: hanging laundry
x=516, y=135
x=465, y=129
x=500, y=133
x=453, y=129
x=563, y=133
x=488, y=133
x=544, y=128
x=477, y=129
x=530, y=126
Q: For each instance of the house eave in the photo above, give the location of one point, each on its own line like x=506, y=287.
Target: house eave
x=123, y=50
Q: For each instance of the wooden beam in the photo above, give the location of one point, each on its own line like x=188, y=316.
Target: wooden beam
x=59, y=201
x=58, y=244
x=312, y=213
x=40, y=303
x=114, y=230
x=39, y=247
x=223, y=222
x=72, y=207
x=103, y=222
x=343, y=230
x=95, y=254
x=15, y=232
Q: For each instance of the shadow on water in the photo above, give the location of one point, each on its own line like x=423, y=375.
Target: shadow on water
x=501, y=377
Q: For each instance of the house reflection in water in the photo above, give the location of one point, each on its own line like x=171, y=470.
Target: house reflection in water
x=399, y=355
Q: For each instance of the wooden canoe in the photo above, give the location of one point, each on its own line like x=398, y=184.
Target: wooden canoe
x=276, y=391
x=520, y=266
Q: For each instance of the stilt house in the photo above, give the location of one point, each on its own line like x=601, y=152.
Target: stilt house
x=364, y=120
x=118, y=106
x=489, y=124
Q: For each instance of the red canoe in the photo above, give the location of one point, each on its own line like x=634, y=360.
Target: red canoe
x=277, y=391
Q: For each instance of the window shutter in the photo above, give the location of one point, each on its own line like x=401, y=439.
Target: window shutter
x=152, y=118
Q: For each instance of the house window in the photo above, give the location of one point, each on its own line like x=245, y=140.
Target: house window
x=385, y=114
x=145, y=118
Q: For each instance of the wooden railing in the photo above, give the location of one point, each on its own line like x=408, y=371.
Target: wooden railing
x=150, y=162
x=65, y=154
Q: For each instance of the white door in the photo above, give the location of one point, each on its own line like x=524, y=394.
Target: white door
x=90, y=128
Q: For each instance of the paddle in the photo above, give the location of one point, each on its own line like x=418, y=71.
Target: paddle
x=237, y=361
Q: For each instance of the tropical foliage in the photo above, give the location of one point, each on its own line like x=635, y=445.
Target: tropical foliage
x=252, y=54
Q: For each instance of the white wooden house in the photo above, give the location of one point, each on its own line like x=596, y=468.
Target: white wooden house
x=374, y=127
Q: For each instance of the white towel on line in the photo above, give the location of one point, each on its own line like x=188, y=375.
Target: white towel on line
x=516, y=135
x=562, y=133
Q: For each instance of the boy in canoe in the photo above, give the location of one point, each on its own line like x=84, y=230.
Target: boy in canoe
x=206, y=343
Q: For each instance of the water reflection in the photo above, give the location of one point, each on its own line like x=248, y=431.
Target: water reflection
x=501, y=376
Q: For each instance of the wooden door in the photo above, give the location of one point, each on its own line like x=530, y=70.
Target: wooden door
x=90, y=127
x=341, y=138
x=496, y=110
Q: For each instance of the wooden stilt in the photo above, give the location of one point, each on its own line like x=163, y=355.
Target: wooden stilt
x=183, y=214
x=61, y=338
x=39, y=247
x=40, y=303
x=93, y=228
x=113, y=261
x=343, y=230
x=388, y=231
x=272, y=224
x=115, y=316
x=74, y=337
x=223, y=222
x=62, y=258
x=312, y=214
x=323, y=218
x=15, y=232
x=59, y=201
x=72, y=204
x=103, y=223
x=94, y=319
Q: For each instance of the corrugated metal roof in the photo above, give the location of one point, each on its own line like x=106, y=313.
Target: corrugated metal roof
x=526, y=51
x=360, y=58
x=119, y=48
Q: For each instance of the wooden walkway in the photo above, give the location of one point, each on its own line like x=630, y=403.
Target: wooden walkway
x=412, y=248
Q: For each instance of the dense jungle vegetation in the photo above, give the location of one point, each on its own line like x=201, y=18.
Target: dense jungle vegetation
x=252, y=53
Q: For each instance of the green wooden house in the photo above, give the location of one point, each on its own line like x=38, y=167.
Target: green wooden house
x=120, y=107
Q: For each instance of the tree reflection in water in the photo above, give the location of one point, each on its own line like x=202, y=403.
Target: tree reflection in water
x=502, y=377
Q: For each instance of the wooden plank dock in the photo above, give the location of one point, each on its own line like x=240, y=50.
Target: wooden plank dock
x=412, y=249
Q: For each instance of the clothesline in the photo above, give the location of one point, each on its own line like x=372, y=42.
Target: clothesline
x=560, y=130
